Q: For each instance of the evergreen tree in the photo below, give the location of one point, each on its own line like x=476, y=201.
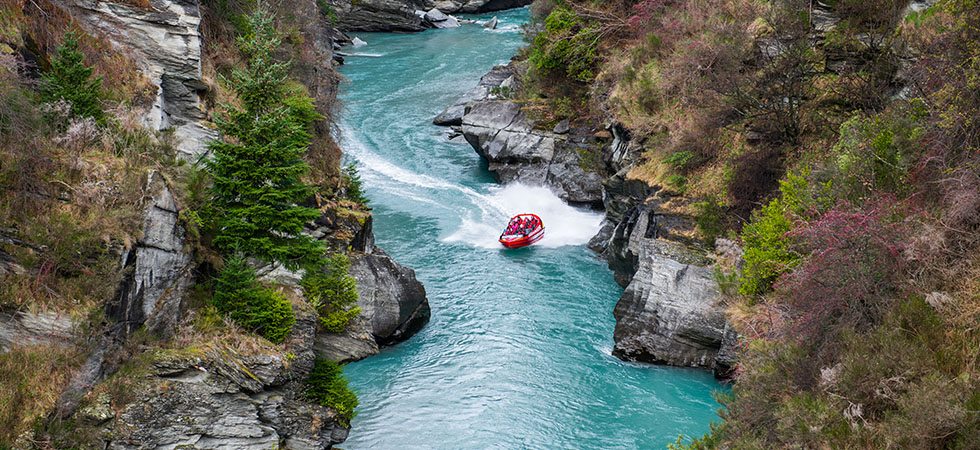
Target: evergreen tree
x=69, y=79
x=257, y=168
x=352, y=179
x=249, y=304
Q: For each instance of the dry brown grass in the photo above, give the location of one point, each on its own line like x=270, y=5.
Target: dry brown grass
x=41, y=25
x=31, y=380
x=73, y=198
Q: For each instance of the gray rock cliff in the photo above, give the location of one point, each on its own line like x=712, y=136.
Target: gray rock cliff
x=393, y=304
x=670, y=313
x=157, y=269
x=408, y=15
x=220, y=399
x=165, y=42
x=516, y=150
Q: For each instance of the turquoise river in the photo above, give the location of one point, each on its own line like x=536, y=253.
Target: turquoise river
x=517, y=354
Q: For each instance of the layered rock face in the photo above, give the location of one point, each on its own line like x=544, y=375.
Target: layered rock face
x=499, y=77
x=24, y=328
x=502, y=133
x=478, y=6
x=670, y=311
x=166, y=44
x=409, y=15
x=393, y=302
x=380, y=15
x=670, y=314
x=157, y=270
x=220, y=399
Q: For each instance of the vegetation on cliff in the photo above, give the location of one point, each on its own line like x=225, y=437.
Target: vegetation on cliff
x=73, y=184
x=327, y=385
x=838, y=143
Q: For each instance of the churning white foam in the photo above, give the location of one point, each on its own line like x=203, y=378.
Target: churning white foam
x=365, y=55
x=480, y=227
x=564, y=224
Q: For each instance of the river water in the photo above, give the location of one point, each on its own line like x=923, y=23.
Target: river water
x=517, y=354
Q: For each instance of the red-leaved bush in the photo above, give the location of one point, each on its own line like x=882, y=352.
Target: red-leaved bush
x=852, y=274
x=644, y=13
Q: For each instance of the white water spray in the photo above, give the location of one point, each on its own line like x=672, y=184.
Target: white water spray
x=564, y=224
x=479, y=226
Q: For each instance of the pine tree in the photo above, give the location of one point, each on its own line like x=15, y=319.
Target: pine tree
x=249, y=304
x=257, y=168
x=69, y=79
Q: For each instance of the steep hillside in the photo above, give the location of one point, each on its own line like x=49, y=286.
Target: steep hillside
x=828, y=153
x=147, y=298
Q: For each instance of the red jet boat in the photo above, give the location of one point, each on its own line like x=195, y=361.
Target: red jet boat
x=522, y=230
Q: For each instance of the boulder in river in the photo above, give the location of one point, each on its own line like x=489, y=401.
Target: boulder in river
x=491, y=24
x=393, y=308
x=479, y=6
x=380, y=15
x=358, y=42
x=439, y=19
x=453, y=115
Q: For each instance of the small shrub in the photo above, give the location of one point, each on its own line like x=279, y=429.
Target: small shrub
x=251, y=306
x=328, y=387
x=768, y=252
x=709, y=215
x=568, y=46
x=71, y=80
x=677, y=182
x=877, y=154
x=767, y=249
x=328, y=11
x=333, y=293
x=679, y=160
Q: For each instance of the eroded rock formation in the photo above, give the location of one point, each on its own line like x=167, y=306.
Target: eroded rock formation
x=166, y=44
x=670, y=313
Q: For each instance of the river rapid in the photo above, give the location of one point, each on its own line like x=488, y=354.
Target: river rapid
x=517, y=354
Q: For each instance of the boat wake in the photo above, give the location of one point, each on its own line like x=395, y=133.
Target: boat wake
x=365, y=55
x=564, y=224
x=481, y=216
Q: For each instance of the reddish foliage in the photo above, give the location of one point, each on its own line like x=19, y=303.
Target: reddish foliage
x=851, y=275
x=644, y=13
